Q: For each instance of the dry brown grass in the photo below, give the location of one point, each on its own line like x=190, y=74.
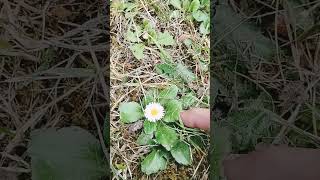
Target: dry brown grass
x=40, y=86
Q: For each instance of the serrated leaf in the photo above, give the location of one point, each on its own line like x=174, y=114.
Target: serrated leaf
x=194, y=6
x=56, y=153
x=173, y=108
x=181, y=153
x=166, y=137
x=188, y=100
x=165, y=39
x=170, y=92
x=153, y=163
x=176, y=3
x=145, y=139
x=226, y=19
x=130, y=112
x=137, y=50
x=149, y=127
x=200, y=16
x=131, y=36
x=185, y=73
x=165, y=69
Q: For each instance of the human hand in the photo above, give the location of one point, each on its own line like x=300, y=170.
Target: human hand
x=196, y=118
x=276, y=163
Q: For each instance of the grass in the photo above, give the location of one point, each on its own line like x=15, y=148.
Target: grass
x=266, y=75
x=132, y=77
x=53, y=71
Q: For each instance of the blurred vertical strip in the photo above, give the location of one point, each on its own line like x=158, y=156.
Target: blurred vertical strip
x=106, y=130
x=212, y=160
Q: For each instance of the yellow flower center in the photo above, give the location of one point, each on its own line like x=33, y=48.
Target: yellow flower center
x=154, y=111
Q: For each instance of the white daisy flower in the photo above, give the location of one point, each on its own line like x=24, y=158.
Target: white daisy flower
x=154, y=112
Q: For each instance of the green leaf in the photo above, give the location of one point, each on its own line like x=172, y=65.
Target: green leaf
x=150, y=96
x=176, y=3
x=165, y=39
x=149, y=127
x=205, y=27
x=137, y=50
x=165, y=69
x=130, y=112
x=131, y=36
x=185, y=73
x=197, y=141
x=185, y=4
x=181, y=153
x=145, y=139
x=226, y=19
x=166, y=137
x=188, y=100
x=168, y=93
x=172, y=110
x=55, y=154
x=194, y=6
x=153, y=163
x=200, y=16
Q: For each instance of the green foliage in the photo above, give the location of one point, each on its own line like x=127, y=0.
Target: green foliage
x=231, y=28
x=194, y=6
x=188, y=100
x=150, y=96
x=133, y=37
x=181, y=153
x=248, y=127
x=166, y=136
x=130, y=112
x=176, y=3
x=166, y=69
x=200, y=16
x=154, y=162
x=137, y=50
x=173, y=108
x=165, y=39
x=149, y=127
x=197, y=10
x=160, y=134
x=56, y=153
x=169, y=93
x=145, y=139
x=185, y=73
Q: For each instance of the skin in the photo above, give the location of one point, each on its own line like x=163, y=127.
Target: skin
x=196, y=118
x=266, y=162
